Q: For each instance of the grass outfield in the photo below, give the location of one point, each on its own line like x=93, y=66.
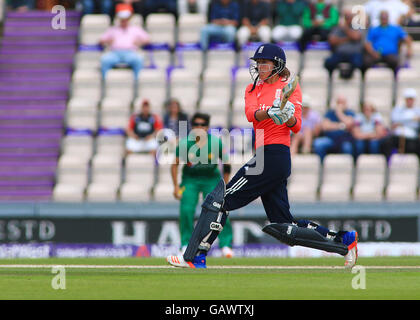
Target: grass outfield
x=234, y=279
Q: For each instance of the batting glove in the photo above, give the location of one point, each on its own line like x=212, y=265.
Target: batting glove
x=281, y=116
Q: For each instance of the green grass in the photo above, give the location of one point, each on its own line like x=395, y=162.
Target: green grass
x=211, y=284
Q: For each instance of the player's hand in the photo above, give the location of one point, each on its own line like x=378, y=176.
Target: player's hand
x=281, y=116
x=178, y=192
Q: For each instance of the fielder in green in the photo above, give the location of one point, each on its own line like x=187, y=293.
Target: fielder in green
x=200, y=153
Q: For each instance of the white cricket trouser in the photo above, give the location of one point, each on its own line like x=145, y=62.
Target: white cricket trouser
x=244, y=34
x=286, y=33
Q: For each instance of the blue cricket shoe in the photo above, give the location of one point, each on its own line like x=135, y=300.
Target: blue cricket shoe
x=350, y=240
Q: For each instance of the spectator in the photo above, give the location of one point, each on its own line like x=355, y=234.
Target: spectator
x=288, y=19
x=396, y=9
x=311, y=128
x=173, y=117
x=97, y=6
x=368, y=131
x=346, y=44
x=224, y=19
x=383, y=43
x=142, y=129
x=255, y=22
x=318, y=19
x=123, y=41
x=336, y=130
x=412, y=19
x=154, y=6
x=405, y=125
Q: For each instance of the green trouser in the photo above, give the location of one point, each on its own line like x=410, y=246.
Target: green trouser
x=192, y=187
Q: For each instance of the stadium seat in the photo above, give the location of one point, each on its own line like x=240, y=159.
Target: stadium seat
x=63, y=192
x=184, y=86
x=106, y=178
x=161, y=27
x=370, y=177
x=82, y=118
x=379, y=86
x=337, y=178
x=120, y=83
x=86, y=83
x=78, y=144
x=242, y=79
x=156, y=57
x=100, y=192
x=403, y=177
x=72, y=169
x=87, y=59
x=106, y=168
x=415, y=59
x=189, y=58
x=293, y=61
x=163, y=189
x=217, y=83
x=304, y=180
x=350, y=88
x=314, y=57
x=139, y=178
x=92, y=26
x=111, y=142
x=189, y=26
x=152, y=85
x=314, y=82
x=220, y=58
x=218, y=108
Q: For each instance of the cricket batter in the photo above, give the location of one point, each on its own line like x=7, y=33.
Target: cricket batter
x=273, y=104
x=200, y=152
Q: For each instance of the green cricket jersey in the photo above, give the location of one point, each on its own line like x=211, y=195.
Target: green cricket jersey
x=201, y=161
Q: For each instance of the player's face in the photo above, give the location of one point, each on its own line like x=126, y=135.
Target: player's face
x=265, y=68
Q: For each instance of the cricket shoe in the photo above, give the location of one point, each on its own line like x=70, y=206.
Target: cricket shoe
x=350, y=240
x=227, y=252
x=199, y=262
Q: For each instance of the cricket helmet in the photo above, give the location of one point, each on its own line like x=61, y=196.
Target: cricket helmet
x=271, y=52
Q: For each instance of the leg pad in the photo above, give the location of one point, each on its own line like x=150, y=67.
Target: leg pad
x=209, y=224
x=293, y=235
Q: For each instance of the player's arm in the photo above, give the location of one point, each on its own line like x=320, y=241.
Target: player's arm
x=224, y=157
x=130, y=129
x=174, y=175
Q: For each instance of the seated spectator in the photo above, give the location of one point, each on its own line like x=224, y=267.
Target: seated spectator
x=318, y=19
x=412, y=19
x=142, y=129
x=396, y=9
x=175, y=119
x=368, y=131
x=255, y=22
x=311, y=128
x=336, y=131
x=405, y=125
x=20, y=5
x=155, y=6
x=383, y=44
x=224, y=19
x=97, y=6
x=123, y=42
x=346, y=44
x=288, y=20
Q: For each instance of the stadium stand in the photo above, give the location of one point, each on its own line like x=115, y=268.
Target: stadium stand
x=403, y=178
x=40, y=94
x=305, y=177
x=337, y=178
x=370, y=178
x=35, y=70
